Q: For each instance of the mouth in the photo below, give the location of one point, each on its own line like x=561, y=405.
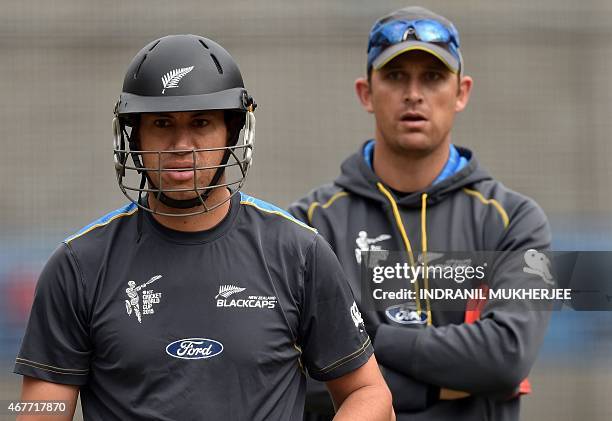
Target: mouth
x=412, y=116
x=179, y=171
x=413, y=120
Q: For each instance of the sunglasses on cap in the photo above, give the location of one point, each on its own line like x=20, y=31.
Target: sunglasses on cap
x=390, y=33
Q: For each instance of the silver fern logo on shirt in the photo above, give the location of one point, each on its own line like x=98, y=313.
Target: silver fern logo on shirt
x=226, y=290
x=227, y=298
x=173, y=77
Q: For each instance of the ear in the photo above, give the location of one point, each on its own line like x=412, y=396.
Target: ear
x=364, y=93
x=463, y=95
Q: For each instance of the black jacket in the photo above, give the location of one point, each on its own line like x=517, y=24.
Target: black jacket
x=468, y=211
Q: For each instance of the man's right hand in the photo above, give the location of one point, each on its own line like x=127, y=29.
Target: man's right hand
x=450, y=394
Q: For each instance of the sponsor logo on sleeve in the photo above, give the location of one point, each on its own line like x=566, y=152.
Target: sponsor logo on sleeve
x=538, y=264
x=356, y=316
x=194, y=348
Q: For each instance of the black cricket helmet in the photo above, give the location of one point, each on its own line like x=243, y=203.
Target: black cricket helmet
x=182, y=73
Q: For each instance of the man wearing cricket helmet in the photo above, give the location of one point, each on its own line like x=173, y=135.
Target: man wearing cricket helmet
x=234, y=296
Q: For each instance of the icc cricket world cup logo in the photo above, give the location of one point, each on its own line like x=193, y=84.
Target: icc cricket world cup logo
x=132, y=304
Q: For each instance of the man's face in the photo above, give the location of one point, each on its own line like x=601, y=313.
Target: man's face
x=414, y=99
x=180, y=133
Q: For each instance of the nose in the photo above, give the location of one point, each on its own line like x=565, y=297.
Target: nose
x=182, y=139
x=413, y=93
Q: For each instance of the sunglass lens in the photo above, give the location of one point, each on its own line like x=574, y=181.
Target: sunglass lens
x=431, y=31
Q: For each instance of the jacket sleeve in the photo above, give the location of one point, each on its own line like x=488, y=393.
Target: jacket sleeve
x=309, y=207
x=409, y=395
x=494, y=354
x=310, y=210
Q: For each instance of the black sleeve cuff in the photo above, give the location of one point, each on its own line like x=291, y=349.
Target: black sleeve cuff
x=345, y=365
x=51, y=374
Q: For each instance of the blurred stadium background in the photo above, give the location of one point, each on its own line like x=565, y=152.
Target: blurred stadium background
x=539, y=120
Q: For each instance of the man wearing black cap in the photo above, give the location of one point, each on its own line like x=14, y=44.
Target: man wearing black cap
x=195, y=301
x=410, y=185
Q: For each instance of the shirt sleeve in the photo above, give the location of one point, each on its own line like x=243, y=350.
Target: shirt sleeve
x=56, y=345
x=332, y=335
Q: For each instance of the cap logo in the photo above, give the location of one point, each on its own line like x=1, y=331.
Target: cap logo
x=173, y=77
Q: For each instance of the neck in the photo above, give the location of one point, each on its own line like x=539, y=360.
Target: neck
x=201, y=222
x=409, y=172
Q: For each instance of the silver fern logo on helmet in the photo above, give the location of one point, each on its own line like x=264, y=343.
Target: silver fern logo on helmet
x=173, y=77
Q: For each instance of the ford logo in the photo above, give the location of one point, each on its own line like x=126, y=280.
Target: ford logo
x=406, y=315
x=194, y=348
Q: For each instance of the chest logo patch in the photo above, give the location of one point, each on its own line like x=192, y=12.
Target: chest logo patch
x=230, y=296
x=136, y=294
x=194, y=348
x=369, y=244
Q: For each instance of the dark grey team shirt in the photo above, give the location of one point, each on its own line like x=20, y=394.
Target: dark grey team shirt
x=218, y=324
